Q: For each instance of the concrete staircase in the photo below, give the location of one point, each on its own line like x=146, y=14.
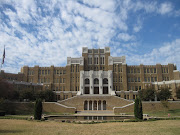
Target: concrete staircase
x=111, y=101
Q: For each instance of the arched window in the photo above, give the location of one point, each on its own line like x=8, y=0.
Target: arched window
x=86, y=81
x=105, y=81
x=104, y=105
x=85, y=105
x=99, y=105
x=96, y=81
x=90, y=105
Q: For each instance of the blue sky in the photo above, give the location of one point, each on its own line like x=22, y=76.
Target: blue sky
x=46, y=32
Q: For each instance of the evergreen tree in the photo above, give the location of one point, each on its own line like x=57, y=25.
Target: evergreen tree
x=138, y=113
x=178, y=93
x=38, y=109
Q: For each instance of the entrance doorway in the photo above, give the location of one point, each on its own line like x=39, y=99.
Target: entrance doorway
x=96, y=90
x=86, y=91
x=105, y=90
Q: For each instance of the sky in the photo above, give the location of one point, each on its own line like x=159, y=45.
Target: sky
x=46, y=32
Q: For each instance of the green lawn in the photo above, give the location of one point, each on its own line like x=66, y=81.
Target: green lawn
x=25, y=127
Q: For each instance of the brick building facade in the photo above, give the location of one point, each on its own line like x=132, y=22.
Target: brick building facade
x=98, y=73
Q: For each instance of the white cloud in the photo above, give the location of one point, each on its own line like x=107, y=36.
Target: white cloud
x=165, y=8
x=51, y=31
x=125, y=36
x=168, y=53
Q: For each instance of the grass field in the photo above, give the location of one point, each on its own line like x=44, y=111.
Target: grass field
x=24, y=127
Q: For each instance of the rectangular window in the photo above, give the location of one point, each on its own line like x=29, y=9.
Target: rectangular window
x=138, y=70
x=151, y=70
x=155, y=79
x=144, y=70
x=154, y=70
x=148, y=70
x=148, y=79
x=152, y=79
x=131, y=70
x=135, y=79
x=48, y=72
x=94, y=60
x=43, y=72
x=60, y=80
x=139, y=79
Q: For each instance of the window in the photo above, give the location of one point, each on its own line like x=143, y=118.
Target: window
x=131, y=70
x=138, y=70
x=139, y=79
x=152, y=79
x=154, y=70
x=148, y=70
x=135, y=79
x=144, y=70
x=96, y=81
x=60, y=80
x=86, y=81
x=105, y=81
x=151, y=70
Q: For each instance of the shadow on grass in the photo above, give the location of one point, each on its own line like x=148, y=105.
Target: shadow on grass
x=10, y=131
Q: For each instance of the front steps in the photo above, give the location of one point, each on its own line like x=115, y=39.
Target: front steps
x=111, y=101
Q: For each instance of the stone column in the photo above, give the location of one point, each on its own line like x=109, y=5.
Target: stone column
x=91, y=82
x=100, y=82
x=92, y=105
x=110, y=82
x=101, y=105
x=82, y=82
x=87, y=105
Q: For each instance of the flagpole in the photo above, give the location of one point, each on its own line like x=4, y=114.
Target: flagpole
x=2, y=61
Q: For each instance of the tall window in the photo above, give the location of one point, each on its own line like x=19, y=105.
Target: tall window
x=96, y=81
x=86, y=81
x=105, y=81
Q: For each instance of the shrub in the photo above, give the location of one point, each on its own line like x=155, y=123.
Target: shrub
x=138, y=113
x=38, y=109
